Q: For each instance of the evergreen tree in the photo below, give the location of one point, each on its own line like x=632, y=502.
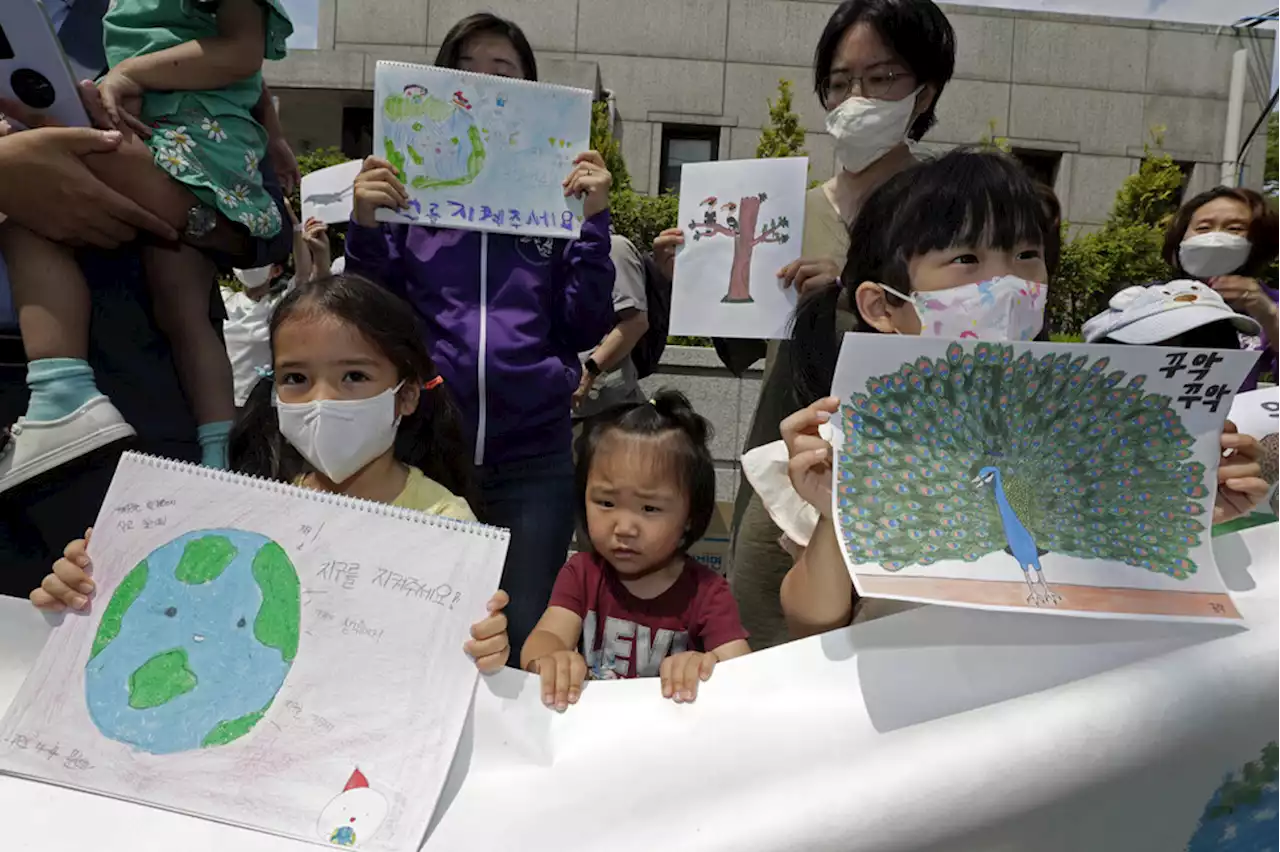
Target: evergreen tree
x=784, y=137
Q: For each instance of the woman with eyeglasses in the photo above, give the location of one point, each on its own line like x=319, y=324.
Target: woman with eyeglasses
x=879, y=68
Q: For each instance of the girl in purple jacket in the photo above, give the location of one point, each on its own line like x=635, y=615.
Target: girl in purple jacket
x=505, y=317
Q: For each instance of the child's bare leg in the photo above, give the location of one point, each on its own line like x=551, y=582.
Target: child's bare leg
x=67, y=416
x=181, y=280
x=49, y=292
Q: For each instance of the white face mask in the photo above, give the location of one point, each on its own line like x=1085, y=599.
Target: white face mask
x=865, y=129
x=1004, y=308
x=340, y=436
x=254, y=278
x=1214, y=253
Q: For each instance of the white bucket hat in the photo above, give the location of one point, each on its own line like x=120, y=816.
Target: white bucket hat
x=1149, y=315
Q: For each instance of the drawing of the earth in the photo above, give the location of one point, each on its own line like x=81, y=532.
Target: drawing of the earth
x=195, y=642
x=433, y=141
x=1244, y=810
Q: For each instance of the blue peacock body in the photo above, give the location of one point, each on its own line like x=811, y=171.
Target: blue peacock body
x=1088, y=464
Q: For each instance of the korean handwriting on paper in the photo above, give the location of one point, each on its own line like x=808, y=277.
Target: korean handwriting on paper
x=357, y=627
x=511, y=218
x=1199, y=388
x=143, y=516
x=441, y=595
x=344, y=574
x=74, y=760
x=320, y=723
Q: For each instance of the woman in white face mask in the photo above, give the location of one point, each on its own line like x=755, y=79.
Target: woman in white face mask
x=1226, y=238
x=879, y=68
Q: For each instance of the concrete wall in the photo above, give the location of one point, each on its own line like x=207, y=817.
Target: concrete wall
x=729, y=403
x=1090, y=88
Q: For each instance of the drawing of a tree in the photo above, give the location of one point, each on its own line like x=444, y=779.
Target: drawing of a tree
x=741, y=219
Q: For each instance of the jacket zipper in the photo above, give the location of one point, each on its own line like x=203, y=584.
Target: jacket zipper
x=484, y=337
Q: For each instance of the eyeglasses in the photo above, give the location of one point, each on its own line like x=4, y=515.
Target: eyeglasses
x=874, y=84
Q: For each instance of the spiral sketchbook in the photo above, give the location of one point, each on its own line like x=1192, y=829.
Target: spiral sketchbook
x=480, y=152
x=281, y=659
x=1046, y=477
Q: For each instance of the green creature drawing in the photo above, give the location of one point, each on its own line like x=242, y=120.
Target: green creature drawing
x=433, y=141
x=976, y=452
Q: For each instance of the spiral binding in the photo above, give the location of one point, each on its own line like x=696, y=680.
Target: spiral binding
x=510, y=82
x=340, y=500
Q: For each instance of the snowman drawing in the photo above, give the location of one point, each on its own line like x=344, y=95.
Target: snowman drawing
x=353, y=815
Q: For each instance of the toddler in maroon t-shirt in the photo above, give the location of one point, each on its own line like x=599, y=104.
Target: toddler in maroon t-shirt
x=638, y=606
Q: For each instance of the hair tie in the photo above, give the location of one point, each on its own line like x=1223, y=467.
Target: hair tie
x=265, y=372
x=433, y=383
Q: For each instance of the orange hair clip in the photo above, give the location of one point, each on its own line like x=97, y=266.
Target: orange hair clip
x=434, y=383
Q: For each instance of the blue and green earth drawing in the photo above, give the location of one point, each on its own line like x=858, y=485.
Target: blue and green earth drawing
x=195, y=642
x=432, y=141
x=1242, y=815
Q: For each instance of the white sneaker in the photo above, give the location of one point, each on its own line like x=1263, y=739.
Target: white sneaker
x=37, y=447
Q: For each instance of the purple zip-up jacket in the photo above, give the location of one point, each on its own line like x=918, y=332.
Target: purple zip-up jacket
x=505, y=318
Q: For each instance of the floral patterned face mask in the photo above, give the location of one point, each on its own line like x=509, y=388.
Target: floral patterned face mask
x=1004, y=308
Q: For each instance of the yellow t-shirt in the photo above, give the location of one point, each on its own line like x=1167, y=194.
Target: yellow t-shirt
x=426, y=495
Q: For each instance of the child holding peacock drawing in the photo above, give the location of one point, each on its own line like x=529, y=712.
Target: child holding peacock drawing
x=951, y=248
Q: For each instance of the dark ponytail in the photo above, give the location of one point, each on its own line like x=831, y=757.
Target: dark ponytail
x=430, y=439
x=668, y=415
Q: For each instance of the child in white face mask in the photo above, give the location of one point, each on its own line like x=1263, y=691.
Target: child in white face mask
x=359, y=410
x=1227, y=238
x=958, y=247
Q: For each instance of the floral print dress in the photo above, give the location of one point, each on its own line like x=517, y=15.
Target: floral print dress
x=207, y=140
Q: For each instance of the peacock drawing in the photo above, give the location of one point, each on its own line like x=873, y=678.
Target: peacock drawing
x=957, y=457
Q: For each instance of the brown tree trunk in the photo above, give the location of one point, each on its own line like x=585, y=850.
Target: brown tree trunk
x=743, y=246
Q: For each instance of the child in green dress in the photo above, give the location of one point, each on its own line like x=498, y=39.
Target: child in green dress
x=185, y=80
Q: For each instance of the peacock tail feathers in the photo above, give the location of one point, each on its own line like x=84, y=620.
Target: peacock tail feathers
x=1094, y=466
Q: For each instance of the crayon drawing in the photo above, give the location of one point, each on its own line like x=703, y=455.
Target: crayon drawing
x=479, y=152
x=195, y=643
x=1041, y=476
x=742, y=221
x=354, y=815
x=257, y=654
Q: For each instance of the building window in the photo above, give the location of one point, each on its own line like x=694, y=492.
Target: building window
x=685, y=143
x=357, y=132
x=1041, y=165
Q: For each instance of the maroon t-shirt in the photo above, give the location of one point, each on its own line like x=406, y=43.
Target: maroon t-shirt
x=627, y=636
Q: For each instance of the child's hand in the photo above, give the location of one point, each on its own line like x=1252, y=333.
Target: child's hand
x=664, y=250
x=377, y=185
x=69, y=584
x=122, y=99
x=810, y=465
x=562, y=674
x=1240, y=482
x=809, y=273
x=489, y=644
x=681, y=674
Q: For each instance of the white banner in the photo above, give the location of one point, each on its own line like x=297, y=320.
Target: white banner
x=934, y=729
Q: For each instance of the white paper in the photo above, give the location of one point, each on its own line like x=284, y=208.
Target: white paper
x=956, y=476
x=299, y=671
x=743, y=220
x=935, y=729
x=479, y=152
x=327, y=194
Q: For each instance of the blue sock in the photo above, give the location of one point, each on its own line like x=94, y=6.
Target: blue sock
x=213, y=442
x=58, y=387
